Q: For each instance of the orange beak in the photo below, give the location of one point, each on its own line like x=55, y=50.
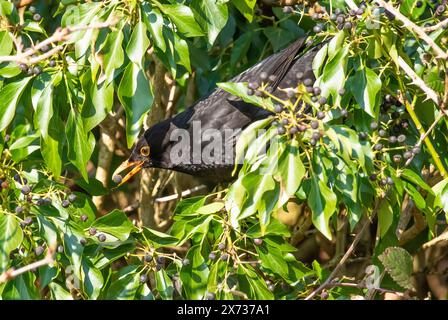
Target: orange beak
x=136, y=167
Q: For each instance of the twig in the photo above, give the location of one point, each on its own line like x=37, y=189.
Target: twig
x=418, y=226
x=171, y=98
x=131, y=207
x=61, y=34
x=346, y=255
x=23, y=3
x=425, y=135
x=431, y=94
x=352, y=5
x=239, y=294
x=360, y=286
x=438, y=26
x=11, y=273
x=441, y=237
x=410, y=109
x=445, y=95
x=408, y=24
x=183, y=194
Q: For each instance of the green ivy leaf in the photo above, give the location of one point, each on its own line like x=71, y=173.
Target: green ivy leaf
x=51, y=146
x=113, y=54
x=189, y=206
x=183, y=18
x=278, y=37
x=409, y=8
x=11, y=237
x=58, y=292
x=365, y=86
x=154, y=23
x=262, y=197
x=164, y=285
x=47, y=229
x=115, y=223
x=126, y=286
x=240, y=47
x=319, y=60
x=322, y=202
x=42, y=99
x=80, y=143
x=46, y=275
x=72, y=247
x=92, y=279
x=138, y=44
x=413, y=177
x=246, y=7
x=93, y=186
x=441, y=192
x=9, y=70
x=272, y=259
x=385, y=217
x=159, y=239
x=247, y=138
x=252, y=284
x=10, y=94
x=5, y=43
x=415, y=195
x=194, y=276
x=98, y=102
x=136, y=96
x=275, y=227
x=333, y=74
x=21, y=288
x=211, y=15
x=398, y=263
x=291, y=170
x=347, y=142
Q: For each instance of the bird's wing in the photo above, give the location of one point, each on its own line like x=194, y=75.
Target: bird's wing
x=226, y=109
x=277, y=65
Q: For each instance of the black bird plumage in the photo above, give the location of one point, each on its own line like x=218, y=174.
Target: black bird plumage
x=221, y=110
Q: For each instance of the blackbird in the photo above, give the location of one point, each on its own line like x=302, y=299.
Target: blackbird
x=174, y=144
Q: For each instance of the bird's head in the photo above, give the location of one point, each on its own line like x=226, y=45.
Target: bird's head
x=140, y=158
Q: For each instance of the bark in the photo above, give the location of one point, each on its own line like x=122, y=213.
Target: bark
x=149, y=177
x=105, y=155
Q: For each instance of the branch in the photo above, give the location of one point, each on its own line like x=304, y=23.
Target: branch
x=438, y=26
x=360, y=286
x=408, y=24
x=416, y=80
x=442, y=237
x=425, y=135
x=410, y=109
x=23, y=3
x=132, y=207
x=183, y=194
x=61, y=34
x=149, y=177
x=352, y=5
x=11, y=273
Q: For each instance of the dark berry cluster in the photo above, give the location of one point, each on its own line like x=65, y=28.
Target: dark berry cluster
x=22, y=196
x=37, y=69
x=390, y=138
x=337, y=19
x=155, y=260
x=222, y=251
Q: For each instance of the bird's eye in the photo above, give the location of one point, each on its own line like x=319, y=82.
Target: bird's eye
x=144, y=151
